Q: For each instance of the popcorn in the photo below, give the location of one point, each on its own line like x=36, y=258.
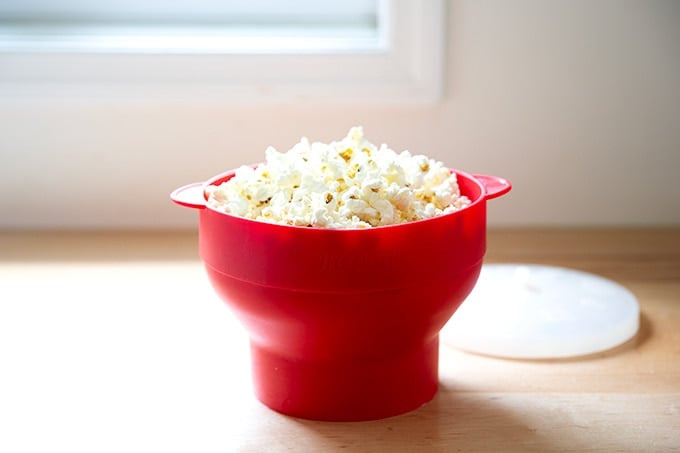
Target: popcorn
x=350, y=183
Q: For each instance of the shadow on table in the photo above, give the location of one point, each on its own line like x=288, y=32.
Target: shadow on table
x=455, y=420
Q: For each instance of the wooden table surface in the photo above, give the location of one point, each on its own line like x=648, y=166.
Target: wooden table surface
x=116, y=342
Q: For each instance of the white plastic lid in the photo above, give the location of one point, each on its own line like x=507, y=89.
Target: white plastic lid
x=538, y=312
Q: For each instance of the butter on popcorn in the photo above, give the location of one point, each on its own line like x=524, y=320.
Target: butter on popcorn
x=350, y=183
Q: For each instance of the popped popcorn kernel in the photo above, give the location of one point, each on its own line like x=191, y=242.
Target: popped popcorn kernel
x=349, y=183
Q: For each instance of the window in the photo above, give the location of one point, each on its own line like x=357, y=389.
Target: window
x=198, y=26
x=239, y=50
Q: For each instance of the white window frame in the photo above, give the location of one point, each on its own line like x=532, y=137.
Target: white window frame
x=407, y=67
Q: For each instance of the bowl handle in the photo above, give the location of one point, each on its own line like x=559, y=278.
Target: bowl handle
x=495, y=186
x=190, y=196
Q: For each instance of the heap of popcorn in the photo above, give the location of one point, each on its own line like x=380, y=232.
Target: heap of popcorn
x=350, y=183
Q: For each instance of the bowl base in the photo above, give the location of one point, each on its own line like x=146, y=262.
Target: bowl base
x=349, y=390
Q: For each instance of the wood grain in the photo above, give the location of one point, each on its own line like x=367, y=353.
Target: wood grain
x=625, y=399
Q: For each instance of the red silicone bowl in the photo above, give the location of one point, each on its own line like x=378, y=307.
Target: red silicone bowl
x=344, y=324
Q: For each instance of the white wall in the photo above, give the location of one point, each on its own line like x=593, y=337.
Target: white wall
x=576, y=102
